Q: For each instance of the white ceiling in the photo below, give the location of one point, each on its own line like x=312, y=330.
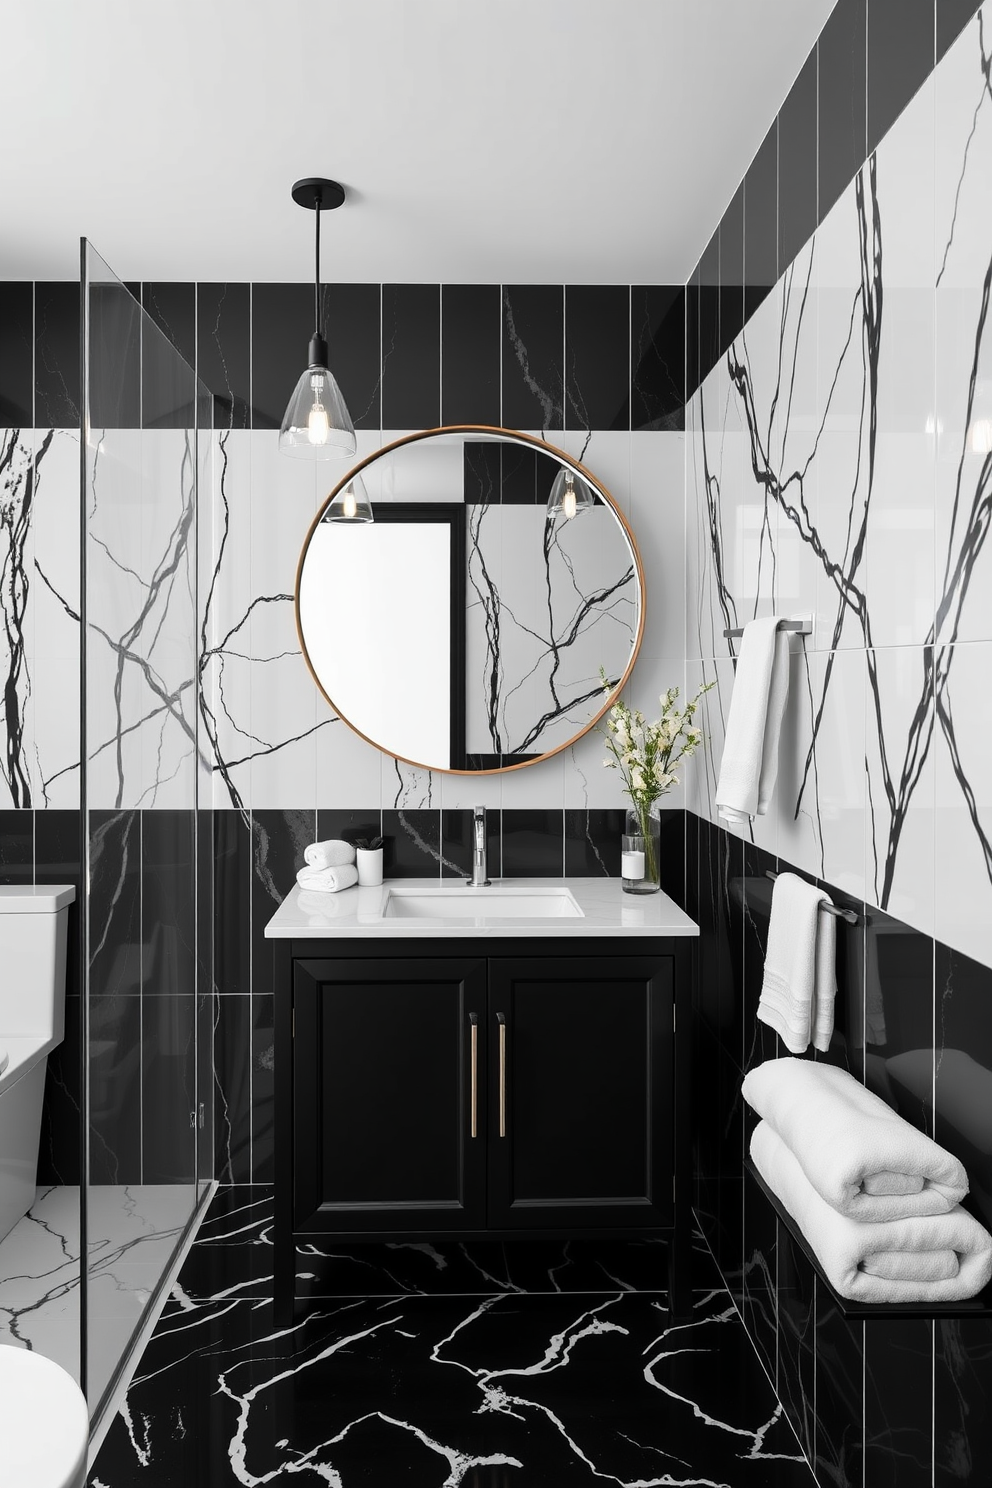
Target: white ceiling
x=514, y=141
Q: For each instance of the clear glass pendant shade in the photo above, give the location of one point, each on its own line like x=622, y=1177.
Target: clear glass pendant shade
x=570, y=495
x=351, y=504
x=317, y=424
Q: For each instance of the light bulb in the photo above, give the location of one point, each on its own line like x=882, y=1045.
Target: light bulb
x=317, y=425
x=349, y=505
x=569, y=501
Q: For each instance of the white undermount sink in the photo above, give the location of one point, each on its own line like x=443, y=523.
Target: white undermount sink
x=497, y=902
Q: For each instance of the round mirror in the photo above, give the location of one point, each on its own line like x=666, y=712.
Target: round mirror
x=459, y=593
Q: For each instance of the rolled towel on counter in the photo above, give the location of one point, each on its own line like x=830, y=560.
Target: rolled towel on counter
x=862, y=1158
x=800, y=976
x=750, y=748
x=328, y=880
x=334, y=852
x=898, y=1260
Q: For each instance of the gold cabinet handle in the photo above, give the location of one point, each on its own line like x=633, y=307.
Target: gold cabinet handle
x=501, y=1020
x=473, y=1019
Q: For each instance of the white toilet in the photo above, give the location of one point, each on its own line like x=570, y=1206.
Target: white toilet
x=33, y=925
x=44, y=1423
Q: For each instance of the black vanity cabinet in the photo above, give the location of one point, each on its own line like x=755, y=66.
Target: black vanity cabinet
x=476, y=1089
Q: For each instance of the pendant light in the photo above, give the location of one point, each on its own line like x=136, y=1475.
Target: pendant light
x=351, y=503
x=317, y=424
x=569, y=496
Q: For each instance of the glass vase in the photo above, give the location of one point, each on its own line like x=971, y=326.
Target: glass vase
x=640, y=861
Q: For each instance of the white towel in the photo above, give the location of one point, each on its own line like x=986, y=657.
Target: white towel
x=862, y=1158
x=800, y=980
x=900, y=1260
x=333, y=852
x=750, y=747
x=328, y=880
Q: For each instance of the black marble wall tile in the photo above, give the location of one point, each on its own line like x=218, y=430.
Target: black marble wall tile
x=172, y=307
x=206, y=1002
x=898, y=1403
x=692, y=378
x=900, y=58
x=729, y=1117
x=16, y=355
x=278, y=840
x=533, y=844
x=262, y=1092
x=457, y=843
x=533, y=351
x=168, y=1088
x=168, y=907
x=597, y=356
x=899, y=1016
x=761, y=223
x=412, y=847
x=709, y=306
x=58, y=859
x=796, y=1338
x=114, y=1058
x=282, y=322
x=353, y=328
x=839, y=1449
x=231, y=895
x=168, y=382
x=115, y=369
x=962, y=1392
x=672, y=872
x=470, y=347
x=952, y=17
x=223, y=351
x=592, y=841
x=760, y=1272
x=232, y=1089
x=61, y=1112
x=842, y=62
x=58, y=400
x=962, y=1069
x=720, y=863
x=732, y=269
x=17, y=846
x=797, y=149
x=349, y=826
x=411, y=356
x=115, y=904
x=692, y=829
x=758, y=1042
x=481, y=466
x=657, y=356
x=847, y=1044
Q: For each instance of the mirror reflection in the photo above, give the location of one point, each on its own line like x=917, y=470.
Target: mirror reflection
x=458, y=594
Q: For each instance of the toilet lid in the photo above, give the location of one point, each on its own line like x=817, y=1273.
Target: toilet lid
x=44, y=1423
x=4, y=1056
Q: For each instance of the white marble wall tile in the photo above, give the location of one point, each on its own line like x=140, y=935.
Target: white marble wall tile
x=798, y=564
x=17, y=721
x=55, y=669
x=963, y=838
x=407, y=787
x=698, y=614
x=225, y=606
x=899, y=720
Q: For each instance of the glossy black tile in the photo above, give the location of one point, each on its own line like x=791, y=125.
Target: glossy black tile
x=761, y=223
x=232, y=873
x=900, y=58
x=116, y=958
x=898, y=1403
x=61, y=1112
x=262, y=1088
x=278, y=842
x=732, y=270
x=348, y=825
x=412, y=846
x=457, y=842
x=533, y=844
x=223, y=350
x=172, y=307
x=952, y=17
x=58, y=859
x=760, y=1271
x=597, y=356
x=470, y=351
x=657, y=356
x=114, y=1065
x=709, y=306
x=720, y=863
x=282, y=322
x=168, y=1088
x=168, y=383
x=57, y=395
x=692, y=378
x=168, y=908
x=532, y=358
x=758, y=1042
x=232, y=1076
x=796, y=1289
x=115, y=365
x=672, y=868
x=962, y=1392
x=16, y=355
x=962, y=1069
x=691, y=828
x=353, y=328
x=411, y=356
x=842, y=63
x=899, y=1014
x=17, y=846
x=797, y=150
x=848, y=1042
x=839, y=1395
x=592, y=841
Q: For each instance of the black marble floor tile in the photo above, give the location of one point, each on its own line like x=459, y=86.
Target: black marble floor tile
x=476, y=1390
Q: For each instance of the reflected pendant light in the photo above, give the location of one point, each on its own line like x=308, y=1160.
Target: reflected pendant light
x=351, y=504
x=317, y=424
x=569, y=496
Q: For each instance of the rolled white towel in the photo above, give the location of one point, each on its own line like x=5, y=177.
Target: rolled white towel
x=333, y=852
x=862, y=1158
x=900, y=1260
x=328, y=880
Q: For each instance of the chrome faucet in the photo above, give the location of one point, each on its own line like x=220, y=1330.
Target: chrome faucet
x=480, y=878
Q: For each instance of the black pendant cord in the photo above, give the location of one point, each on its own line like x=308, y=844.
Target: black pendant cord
x=316, y=271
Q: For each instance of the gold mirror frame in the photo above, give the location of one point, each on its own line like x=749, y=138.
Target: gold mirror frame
x=512, y=436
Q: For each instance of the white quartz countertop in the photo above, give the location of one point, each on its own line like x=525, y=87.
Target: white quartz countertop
x=357, y=913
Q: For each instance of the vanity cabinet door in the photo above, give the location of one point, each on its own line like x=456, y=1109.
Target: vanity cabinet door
x=384, y=1094
x=581, y=1091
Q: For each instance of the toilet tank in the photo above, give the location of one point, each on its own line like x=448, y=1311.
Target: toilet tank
x=33, y=924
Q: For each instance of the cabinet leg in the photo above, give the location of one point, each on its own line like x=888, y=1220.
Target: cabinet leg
x=679, y=1275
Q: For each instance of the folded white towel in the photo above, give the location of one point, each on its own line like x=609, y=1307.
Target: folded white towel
x=333, y=852
x=750, y=747
x=800, y=980
x=328, y=880
x=862, y=1158
x=900, y=1260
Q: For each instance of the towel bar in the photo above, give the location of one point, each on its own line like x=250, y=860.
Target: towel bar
x=797, y=627
x=830, y=909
